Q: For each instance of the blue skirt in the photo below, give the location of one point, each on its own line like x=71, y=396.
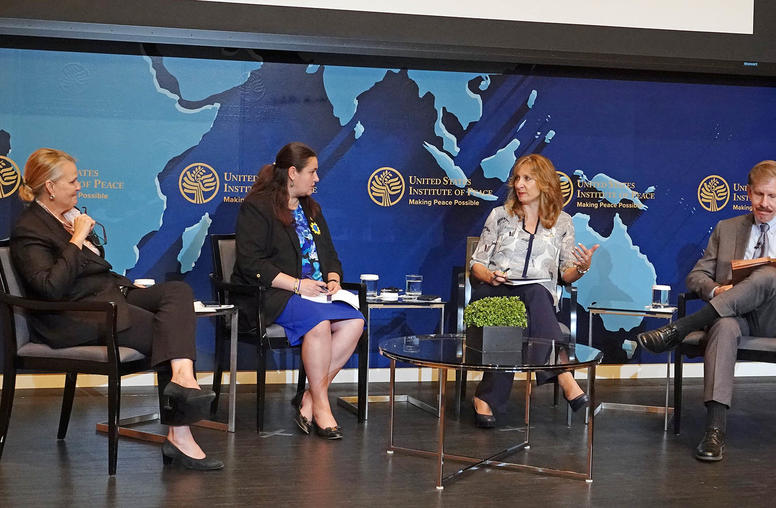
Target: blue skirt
x=301, y=315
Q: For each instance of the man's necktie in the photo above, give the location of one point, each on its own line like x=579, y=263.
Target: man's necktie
x=761, y=249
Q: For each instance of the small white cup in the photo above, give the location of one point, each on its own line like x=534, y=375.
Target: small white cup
x=389, y=296
x=144, y=283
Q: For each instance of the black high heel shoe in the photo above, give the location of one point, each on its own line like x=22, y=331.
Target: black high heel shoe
x=330, y=433
x=301, y=420
x=579, y=402
x=481, y=420
x=184, y=406
x=171, y=455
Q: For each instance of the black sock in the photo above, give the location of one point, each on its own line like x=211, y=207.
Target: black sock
x=697, y=320
x=716, y=415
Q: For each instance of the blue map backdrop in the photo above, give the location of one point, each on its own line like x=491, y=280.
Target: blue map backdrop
x=411, y=162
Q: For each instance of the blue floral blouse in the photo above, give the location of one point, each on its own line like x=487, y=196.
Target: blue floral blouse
x=311, y=266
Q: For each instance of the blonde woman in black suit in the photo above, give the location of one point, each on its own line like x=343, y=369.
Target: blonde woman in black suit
x=59, y=257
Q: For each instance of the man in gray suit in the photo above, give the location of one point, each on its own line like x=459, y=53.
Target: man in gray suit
x=748, y=308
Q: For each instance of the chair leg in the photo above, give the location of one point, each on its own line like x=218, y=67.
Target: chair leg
x=163, y=378
x=67, y=403
x=261, y=380
x=114, y=396
x=462, y=395
x=302, y=380
x=218, y=370
x=6, y=403
x=363, y=376
x=677, y=390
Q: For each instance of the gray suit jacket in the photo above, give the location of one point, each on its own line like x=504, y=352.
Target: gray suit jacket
x=727, y=242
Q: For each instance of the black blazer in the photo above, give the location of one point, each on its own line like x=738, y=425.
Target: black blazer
x=52, y=268
x=266, y=247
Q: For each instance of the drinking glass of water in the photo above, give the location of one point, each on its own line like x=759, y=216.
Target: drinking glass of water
x=660, y=296
x=414, y=285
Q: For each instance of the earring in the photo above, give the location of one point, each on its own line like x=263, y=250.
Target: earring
x=292, y=183
x=51, y=197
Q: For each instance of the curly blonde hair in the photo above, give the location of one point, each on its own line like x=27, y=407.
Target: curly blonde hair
x=548, y=182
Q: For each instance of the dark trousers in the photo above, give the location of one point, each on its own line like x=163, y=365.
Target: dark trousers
x=163, y=322
x=495, y=387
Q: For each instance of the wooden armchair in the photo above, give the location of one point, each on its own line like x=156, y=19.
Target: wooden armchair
x=19, y=352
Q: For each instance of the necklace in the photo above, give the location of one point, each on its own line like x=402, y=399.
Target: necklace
x=67, y=225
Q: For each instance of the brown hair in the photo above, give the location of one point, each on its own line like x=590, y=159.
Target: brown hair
x=272, y=181
x=44, y=164
x=548, y=182
x=762, y=171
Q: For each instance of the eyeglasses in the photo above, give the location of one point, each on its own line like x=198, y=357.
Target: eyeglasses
x=97, y=236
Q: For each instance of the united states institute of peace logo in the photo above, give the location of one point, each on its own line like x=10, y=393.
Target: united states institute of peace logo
x=10, y=177
x=713, y=193
x=198, y=183
x=385, y=186
x=566, y=187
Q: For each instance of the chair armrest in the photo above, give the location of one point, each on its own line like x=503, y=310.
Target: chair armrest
x=360, y=287
x=222, y=285
x=682, y=300
x=107, y=337
x=59, y=306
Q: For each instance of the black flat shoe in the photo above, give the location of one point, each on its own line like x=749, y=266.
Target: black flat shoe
x=331, y=433
x=663, y=339
x=301, y=420
x=712, y=446
x=172, y=455
x=184, y=406
x=579, y=402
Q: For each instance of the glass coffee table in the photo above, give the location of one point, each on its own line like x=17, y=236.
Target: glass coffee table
x=446, y=352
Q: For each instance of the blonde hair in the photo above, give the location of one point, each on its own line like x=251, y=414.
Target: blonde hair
x=764, y=170
x=548, y=183
x=44, y=164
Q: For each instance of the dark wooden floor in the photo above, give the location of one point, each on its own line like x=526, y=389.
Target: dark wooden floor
x=636, y=463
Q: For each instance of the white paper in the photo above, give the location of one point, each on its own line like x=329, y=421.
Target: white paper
x=201, y=307
x=340, y=296
x=521, y=282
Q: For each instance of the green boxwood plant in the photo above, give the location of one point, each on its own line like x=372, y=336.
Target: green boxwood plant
x=496, y=311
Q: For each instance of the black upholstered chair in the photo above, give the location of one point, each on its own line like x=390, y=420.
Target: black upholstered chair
x=568, y=307
x=752, y=349
x=268, y=337
x=20, y=353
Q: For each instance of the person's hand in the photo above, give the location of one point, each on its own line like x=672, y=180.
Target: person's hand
x=584, y=256
x=310, y=287
x=497, y=277
x=333, y=286
x=721, y=289
x=82, y=226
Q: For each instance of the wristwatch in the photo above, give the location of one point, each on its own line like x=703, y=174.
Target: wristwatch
x=582, y=272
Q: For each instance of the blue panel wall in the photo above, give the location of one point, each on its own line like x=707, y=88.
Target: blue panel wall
x=634, y=156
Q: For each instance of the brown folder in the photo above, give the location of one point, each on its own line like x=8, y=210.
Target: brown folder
x=743, y=267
